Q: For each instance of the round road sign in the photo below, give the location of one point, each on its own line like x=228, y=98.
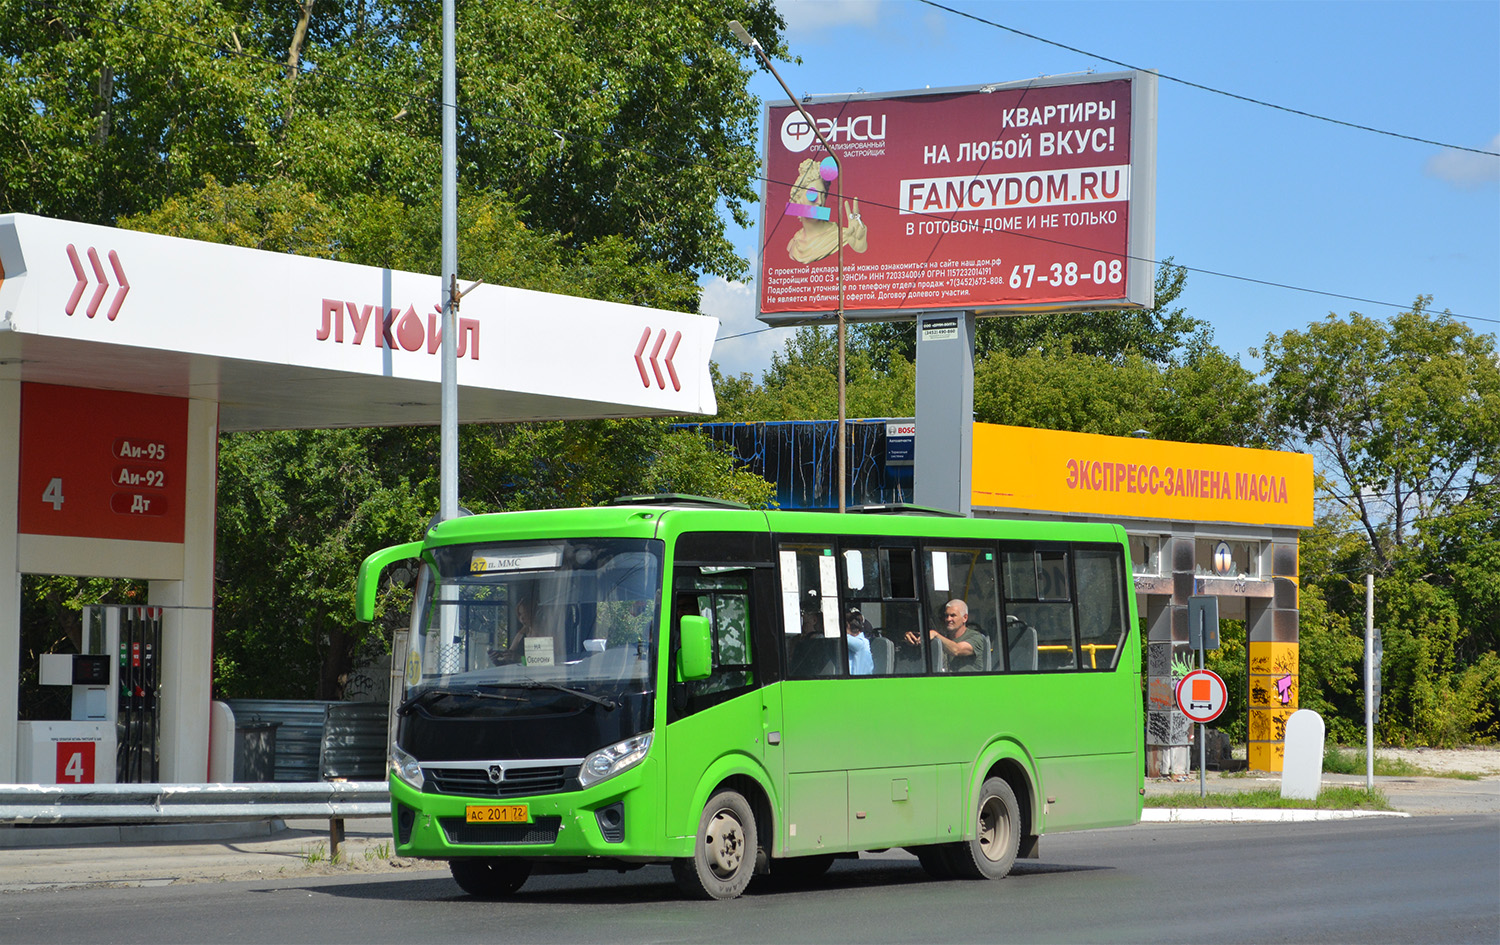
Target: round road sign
x=1201, y=695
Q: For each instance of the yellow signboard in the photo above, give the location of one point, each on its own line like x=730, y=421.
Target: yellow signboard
x=1116, y=476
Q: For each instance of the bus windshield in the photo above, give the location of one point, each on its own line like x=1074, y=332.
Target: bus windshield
x=534, y=627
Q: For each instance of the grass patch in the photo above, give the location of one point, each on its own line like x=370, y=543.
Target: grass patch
x=1330, y=798
x=317, y=855
x=1349, y=761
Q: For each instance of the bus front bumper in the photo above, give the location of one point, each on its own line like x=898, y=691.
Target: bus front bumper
x=616, y=818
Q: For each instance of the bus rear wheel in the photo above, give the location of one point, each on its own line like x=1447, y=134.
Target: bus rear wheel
x=997, y=835
x=490, y=877
x=723, y=859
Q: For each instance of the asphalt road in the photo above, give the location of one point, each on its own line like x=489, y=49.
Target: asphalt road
x=1432, y=879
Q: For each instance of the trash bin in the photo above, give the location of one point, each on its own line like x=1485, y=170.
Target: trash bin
x=255, y=751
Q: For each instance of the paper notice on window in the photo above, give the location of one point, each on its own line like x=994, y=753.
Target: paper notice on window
x=828, y=576
x=539, y=651
x=854, y=567
x=940, y=571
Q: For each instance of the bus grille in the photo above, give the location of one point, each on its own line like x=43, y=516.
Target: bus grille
x=544, y=830
x=518, y=782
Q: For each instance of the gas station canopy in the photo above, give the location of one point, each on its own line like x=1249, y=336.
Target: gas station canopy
x=124, y=355
x=286, y=342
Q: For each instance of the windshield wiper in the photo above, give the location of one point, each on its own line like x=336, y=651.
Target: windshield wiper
x=588, y=696
x=427, y=695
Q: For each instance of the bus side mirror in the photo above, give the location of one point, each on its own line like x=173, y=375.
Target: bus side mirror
x=367, y=586
x=695, y=659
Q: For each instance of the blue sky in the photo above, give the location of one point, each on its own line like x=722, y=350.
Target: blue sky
x=1242, y=189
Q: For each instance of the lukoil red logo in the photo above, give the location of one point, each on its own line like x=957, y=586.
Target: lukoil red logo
x=102, y=278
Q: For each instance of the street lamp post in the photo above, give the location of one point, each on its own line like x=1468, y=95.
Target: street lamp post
x=448, y=416
x=744, y=37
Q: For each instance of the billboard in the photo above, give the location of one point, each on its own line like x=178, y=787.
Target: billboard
x=999, y=199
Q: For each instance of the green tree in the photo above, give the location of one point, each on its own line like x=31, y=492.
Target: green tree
x=802, y=383
x=298, y=511
x=1207, y=398
x=600, y=119
x=1404, y=415
x=1404, y=419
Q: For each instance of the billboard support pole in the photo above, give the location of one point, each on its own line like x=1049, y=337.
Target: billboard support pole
x=835, y=211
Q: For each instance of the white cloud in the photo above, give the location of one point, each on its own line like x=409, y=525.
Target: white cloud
x=1465, y=168
x=733, y=304
x=818, y=14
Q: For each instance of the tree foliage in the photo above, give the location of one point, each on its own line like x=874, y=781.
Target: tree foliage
x=1403, y=417
x=601, y=119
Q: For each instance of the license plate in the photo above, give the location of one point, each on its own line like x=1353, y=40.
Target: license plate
x=497, y=814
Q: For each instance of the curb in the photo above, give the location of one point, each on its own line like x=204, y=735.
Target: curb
x=1181, y=815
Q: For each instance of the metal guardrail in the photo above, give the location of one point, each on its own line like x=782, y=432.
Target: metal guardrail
x=194, y=803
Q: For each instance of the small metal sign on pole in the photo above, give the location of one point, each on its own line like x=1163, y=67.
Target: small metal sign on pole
x=1203, y=634
x=1203, y=624
x=1202, y=696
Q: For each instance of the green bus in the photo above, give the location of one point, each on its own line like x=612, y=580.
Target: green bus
x=734, y=691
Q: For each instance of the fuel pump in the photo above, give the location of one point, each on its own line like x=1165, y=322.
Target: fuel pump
x=81, y=750
x=138, y=711
x=112, y=735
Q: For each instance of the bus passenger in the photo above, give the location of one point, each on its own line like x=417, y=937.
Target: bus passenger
x=861, y=661
x=965, y=648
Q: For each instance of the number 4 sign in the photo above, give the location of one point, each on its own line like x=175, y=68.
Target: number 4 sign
x=75, y=762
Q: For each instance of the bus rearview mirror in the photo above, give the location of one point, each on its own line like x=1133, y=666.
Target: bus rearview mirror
x=695, y=659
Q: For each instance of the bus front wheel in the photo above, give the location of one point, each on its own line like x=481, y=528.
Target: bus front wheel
x=997, y=835
x=723, y=859
x=489, y=877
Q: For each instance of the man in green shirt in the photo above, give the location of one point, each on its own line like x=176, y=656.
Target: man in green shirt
x=965, y=649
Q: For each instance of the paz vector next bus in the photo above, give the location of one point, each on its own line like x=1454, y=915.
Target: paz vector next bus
x=677, y=680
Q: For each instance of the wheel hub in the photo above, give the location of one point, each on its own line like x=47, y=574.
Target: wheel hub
x=726, y=843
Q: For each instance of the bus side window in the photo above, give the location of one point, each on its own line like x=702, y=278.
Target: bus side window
x=810, y=611
x=1039, y=610
x=880, y=585
x=1101, y=607
x=967, y=574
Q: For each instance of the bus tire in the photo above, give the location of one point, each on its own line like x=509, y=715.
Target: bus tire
x=723, y=859
x=997, y=835
x=490, y=877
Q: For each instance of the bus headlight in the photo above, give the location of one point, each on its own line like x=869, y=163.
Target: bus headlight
x=405, y=767
x=608, y=762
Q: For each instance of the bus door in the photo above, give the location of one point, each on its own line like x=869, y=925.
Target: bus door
x=728, y=578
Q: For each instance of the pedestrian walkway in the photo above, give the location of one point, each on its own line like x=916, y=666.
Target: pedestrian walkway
x=1422, y=796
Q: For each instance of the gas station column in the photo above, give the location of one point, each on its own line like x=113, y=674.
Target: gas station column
x=10, y=579
x=186, y=660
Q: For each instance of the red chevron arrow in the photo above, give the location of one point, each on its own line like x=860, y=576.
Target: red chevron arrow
x=640, y=362
x=103, y=279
